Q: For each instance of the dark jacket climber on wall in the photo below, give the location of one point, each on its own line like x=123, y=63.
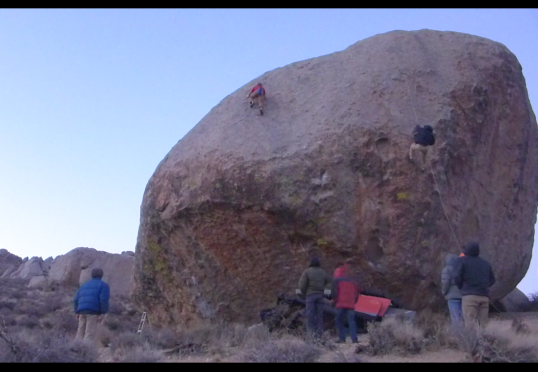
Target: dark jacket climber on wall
x=423, y=137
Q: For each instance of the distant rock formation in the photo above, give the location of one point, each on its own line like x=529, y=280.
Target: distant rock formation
x=71, y=269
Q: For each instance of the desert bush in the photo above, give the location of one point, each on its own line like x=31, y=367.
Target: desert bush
x=53, y=303
x=17, y=295
x=139, y=354
x=284, y=350
x=437, y=328
x=8, y=320
x=64, y=322
x=500, y=342
x=115, y=307
x=467, y=337
x=125, y=340
x=119, y=323
x=533, y=297
x=255, y=334
x=6, y=306
x=160, y=338
x=46, y=347
x=340, y=357
x=28, y=321
x=10, y=286
x=392, y=336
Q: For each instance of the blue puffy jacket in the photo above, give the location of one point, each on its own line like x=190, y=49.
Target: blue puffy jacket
x=92, y=296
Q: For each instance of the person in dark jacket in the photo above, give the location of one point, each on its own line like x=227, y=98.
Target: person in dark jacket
x=314, y=283
x=423, y=137
x=345, y=293
x=91, y=304
x=450, y=289
x=473, y=275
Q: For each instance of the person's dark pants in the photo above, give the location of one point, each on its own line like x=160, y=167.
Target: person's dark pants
x=350, y=315
x=314, y=313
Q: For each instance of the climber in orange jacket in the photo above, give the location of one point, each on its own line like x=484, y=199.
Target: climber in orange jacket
x=257, y=94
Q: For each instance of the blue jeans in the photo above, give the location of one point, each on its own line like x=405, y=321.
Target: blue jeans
x=454, y=306
x=350, y=315
x=314, y=313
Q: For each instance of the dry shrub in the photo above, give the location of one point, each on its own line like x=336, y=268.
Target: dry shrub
x=9, y=286
x=212, y=338
x=533, y=297
x=392, y=336
x=64, y=321
x=139, y=354
x=125, y=340
x=115, y=307
x=284, y=350
x=121, y=323
x=438, y=330
x=52, y=303
x=6, y=307
x=500, y=342
x=28, y=321
x=340, y=357
x=467, y=338
x=45, y=347
x=160, y=338
x=256, y=334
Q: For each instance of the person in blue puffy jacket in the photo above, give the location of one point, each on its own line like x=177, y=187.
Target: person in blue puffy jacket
x=91, y=304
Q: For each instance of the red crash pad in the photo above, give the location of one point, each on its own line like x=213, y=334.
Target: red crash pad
x=372, y=306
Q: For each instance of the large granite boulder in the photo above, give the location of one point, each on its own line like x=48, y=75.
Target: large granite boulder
x=234, y=211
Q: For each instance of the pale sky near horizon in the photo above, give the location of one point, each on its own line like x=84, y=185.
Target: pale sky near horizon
x=91, y=100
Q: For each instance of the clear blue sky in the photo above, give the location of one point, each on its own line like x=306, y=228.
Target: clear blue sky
x=92, y=100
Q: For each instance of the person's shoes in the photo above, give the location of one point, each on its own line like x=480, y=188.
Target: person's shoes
x=251, y=104
x=261, y=111
x=354, y=342
x=340, y=342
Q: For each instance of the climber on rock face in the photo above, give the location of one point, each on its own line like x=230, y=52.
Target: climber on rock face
x=257, y=94
x=422, y=137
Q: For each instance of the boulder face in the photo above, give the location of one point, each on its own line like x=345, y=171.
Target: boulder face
x=235, y=210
